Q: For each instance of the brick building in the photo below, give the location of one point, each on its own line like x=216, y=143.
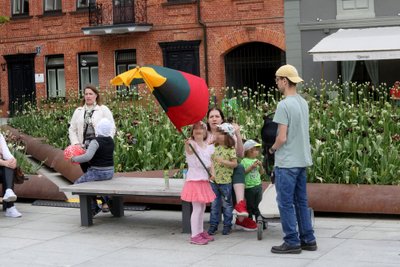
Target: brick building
x=52, y=47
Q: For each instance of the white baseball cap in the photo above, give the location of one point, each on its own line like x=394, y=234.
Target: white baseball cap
x=249, y=144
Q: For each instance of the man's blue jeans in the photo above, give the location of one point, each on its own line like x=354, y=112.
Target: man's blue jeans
x=227, y=206
x=291, y=189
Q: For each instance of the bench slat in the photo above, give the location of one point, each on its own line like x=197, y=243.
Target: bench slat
x=128, y=186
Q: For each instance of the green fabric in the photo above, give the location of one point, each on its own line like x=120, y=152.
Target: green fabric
x=231, y=103
x=223, y=174
x=253, y=178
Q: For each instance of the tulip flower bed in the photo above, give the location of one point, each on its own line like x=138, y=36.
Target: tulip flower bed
x=354, y=130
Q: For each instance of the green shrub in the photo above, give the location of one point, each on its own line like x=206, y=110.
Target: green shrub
x=354, y=129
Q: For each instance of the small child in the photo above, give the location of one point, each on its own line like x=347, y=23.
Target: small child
x=224, y=159
x=100, y=153
x=253, y=169
x=197, y=189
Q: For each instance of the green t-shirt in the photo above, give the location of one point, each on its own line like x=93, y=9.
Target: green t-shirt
x=223, y=174
x=253, y=178
x=296, y=152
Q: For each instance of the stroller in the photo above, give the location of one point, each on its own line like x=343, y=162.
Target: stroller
x=268, y=206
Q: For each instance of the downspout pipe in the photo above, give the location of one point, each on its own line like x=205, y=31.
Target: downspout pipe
x=205, y=44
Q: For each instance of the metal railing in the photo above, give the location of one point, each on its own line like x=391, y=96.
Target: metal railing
x=118, y=12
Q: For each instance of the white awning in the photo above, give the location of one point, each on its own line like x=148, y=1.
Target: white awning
x=359, y=44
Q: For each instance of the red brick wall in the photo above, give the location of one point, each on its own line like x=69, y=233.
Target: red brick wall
x=230, y=23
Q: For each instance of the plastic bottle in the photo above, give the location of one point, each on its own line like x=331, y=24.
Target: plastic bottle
x=184, y=172
x=166, y=179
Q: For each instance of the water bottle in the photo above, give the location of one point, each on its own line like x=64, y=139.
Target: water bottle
x=184, y=172
x=166, y=179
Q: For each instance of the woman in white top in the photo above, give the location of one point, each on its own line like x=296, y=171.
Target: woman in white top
x=86, y=117
x=7, y=165
x=83, y=124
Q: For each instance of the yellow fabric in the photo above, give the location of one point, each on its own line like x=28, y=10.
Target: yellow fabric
x=148, y=74
x=223, y=174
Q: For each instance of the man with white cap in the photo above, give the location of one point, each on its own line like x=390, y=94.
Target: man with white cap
x=292, y=156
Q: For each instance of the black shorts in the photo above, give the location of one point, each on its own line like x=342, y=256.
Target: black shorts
x=238, y=174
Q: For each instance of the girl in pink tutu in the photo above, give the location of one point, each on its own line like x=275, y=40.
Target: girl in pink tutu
x=197, y=188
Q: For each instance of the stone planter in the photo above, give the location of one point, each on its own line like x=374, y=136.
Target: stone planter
x=370, y=199
x=52, y=157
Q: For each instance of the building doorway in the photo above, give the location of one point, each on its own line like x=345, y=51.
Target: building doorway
x=21, y=81
x=253, y=65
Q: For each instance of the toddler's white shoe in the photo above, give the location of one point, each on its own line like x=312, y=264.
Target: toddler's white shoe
x=13, y=212
x=9, y=196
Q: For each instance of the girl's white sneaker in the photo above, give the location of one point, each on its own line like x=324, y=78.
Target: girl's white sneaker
x=9, y=196
x=13, y=212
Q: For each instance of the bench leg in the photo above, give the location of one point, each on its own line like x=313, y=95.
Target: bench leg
x=86, y=210
x=186, y=213
x=117, y=206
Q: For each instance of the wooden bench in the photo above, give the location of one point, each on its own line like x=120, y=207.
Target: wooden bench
x=119, y=187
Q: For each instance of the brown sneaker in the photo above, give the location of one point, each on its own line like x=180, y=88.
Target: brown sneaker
x=311, y=246
x=286, y=249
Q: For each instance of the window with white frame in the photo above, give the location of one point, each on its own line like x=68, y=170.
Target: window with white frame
x=125, y=60
x=20, y=7
x=52, y=5
x=355, y=9
x=88, y=70
x=84, y=3
x=55, y=76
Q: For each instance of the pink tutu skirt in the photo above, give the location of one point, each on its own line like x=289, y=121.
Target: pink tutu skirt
x=197, y=191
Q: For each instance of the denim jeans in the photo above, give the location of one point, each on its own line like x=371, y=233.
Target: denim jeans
x=93, y=174
x=227, y=206
x=291, y=189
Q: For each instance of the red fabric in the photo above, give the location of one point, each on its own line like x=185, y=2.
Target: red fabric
x=197, y=191
x=72, y=151
x=196, y=105
x=395, y=91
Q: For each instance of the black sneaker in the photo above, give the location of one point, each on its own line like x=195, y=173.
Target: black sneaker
x=312, y=246
x=95, y=210
x=226, y=230
x=212, y=230
x=286, y=249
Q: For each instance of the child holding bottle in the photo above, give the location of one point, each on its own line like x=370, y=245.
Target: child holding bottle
x=253, y=169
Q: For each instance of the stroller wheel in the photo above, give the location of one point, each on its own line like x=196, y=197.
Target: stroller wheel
x=260, y=226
